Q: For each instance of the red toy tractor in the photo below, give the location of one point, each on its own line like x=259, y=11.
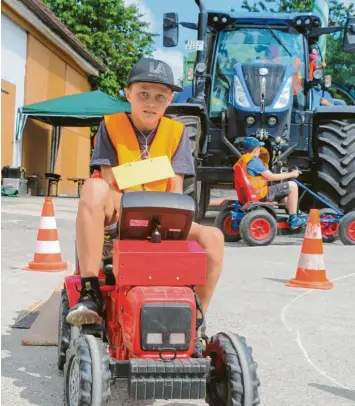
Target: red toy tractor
x=149, y=326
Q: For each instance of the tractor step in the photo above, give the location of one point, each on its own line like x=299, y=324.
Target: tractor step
x=161, y=379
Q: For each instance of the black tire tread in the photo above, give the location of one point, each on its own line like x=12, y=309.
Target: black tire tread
x=64, y=329
x=80, y=348
x=335, y=155
x=234, y=372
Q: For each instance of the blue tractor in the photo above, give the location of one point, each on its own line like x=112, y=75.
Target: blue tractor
x=252, y=78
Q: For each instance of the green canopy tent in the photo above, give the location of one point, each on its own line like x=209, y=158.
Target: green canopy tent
x=78, y=110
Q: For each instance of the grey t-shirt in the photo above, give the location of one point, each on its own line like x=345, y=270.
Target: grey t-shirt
x=105, y=153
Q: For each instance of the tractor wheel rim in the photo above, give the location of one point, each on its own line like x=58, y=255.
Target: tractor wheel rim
x=74, y=382
x=351, y=231
x=260, y=229
x=228, y=226
x=328, y=229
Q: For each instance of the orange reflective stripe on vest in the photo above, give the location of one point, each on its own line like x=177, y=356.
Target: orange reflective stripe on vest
x=124, y=139
x=258, y=182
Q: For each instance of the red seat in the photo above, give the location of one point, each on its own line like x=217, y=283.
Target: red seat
x=245, y=191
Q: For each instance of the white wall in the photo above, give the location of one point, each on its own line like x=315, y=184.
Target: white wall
x=13, y=67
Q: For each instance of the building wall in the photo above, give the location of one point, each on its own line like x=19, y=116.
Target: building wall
x=8, y=96
x=47, y=72
x=48, y=76
x=13, y=66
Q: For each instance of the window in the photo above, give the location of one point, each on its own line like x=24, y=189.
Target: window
x=255, y=45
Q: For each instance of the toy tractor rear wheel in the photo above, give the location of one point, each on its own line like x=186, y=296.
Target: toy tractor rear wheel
x=329, y=229
x=64, y=329
x=347, y=229
x=258, y=228
x=87, y=373
x=233, y=380
x=335, y=153
x=224, y=222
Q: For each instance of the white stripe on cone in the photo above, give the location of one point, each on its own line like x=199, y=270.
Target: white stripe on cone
x=48, y=247
x=311, y=262
x=47, y=223
x=313, y=232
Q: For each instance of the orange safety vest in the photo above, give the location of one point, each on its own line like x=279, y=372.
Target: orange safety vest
x=258, y=182
x=311, y=67
x=124, y=139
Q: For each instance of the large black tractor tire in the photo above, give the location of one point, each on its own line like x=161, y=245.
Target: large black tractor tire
x=87, y=373
x=64, y=329
x=197, y=189
x=233, y=380
x=335, y=156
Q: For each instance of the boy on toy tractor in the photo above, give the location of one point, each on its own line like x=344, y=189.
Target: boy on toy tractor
x=259, y=175
x=125, y=138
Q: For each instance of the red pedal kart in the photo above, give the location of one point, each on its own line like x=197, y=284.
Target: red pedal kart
x=149, y=325
x=257, y=223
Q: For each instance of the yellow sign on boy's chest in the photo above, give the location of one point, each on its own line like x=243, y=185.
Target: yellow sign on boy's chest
x=144, y=171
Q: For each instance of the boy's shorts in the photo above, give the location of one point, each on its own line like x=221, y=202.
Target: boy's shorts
x=278, y=192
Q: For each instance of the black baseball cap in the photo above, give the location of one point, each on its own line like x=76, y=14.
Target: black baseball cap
x=153, y=71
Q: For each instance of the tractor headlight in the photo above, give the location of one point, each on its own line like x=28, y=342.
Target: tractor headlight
x=272, y=121
x=285, y=95
x=250, y=120
x=240, y=96
x=154, y=338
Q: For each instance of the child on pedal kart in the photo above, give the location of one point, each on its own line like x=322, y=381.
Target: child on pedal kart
x=124, y=138
x=259, y=175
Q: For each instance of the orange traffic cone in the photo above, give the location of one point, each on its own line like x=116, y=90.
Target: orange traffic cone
x=311, y=268
x=47, y=257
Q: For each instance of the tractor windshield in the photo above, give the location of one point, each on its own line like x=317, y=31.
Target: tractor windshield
x=256, y=45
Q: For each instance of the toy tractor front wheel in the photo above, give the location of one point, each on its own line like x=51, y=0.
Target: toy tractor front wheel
x=64, y=330
x=233, y=380
x=258, y=228
x=87, y=373
x=224, y=222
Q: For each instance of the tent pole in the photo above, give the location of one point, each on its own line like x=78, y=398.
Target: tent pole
x=53, y=143
x=58, y=137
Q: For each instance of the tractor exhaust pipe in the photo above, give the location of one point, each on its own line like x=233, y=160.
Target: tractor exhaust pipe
x=200, y=68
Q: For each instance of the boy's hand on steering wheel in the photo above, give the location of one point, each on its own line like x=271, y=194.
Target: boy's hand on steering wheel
x=295, y=173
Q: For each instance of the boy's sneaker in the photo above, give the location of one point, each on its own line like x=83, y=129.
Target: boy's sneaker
x=296, y=222
x=111, y=233
x=88, y=308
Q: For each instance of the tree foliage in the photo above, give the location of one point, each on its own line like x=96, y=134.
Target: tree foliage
x=340, y=65
x=112, y=32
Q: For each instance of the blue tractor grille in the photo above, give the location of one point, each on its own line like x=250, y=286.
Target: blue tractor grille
x=273, y=81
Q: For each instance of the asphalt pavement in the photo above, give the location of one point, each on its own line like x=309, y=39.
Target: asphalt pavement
x=303, y=340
